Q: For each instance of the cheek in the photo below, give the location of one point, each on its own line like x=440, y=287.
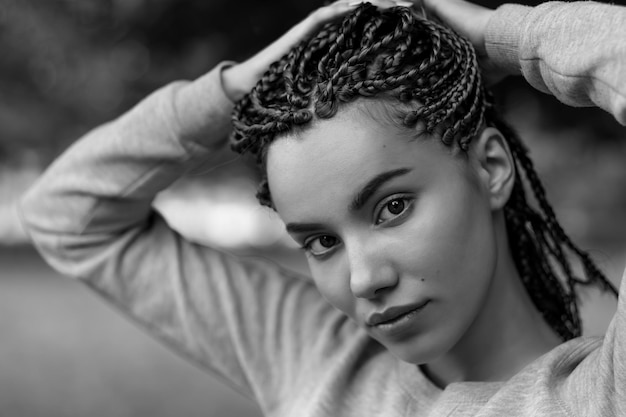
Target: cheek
x=331, y=279
x=456, y=242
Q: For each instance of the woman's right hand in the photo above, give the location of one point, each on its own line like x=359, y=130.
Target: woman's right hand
x=239, y=79
x=469, y=20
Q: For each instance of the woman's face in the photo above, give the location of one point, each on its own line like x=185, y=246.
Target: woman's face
x=398, y=232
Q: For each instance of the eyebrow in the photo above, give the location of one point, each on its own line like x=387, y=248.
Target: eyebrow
x=302, y=227
x=359, y=200
x=373, y=185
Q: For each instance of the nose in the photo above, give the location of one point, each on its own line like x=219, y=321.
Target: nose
x=371, y=272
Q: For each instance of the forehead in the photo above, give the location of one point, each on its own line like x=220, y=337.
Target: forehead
x=327, y=163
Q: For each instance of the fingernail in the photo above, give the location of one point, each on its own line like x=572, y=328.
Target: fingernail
x=355, y=3
x=405, y=3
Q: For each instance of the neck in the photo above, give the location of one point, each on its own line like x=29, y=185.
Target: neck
x=507, y=335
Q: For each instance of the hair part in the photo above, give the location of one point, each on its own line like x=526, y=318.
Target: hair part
x=429, y=78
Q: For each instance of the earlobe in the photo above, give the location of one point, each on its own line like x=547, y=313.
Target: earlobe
x=497, y=166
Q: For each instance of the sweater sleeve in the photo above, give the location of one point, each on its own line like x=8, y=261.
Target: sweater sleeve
x=575, y=51
x=91, y=217
x=597, y=385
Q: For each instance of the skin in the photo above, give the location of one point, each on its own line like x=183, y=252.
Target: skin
x=433, y=233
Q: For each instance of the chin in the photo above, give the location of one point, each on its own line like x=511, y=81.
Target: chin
x=419, y=350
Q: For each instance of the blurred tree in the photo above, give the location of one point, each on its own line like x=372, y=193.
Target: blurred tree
x=70, y=64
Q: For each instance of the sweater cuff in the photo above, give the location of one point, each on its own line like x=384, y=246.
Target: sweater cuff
x=503, y=36
x=203, y=110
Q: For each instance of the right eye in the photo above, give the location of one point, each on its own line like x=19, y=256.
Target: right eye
x=320, y=245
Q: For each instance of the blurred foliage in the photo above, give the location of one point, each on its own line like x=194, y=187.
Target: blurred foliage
x=68, y=65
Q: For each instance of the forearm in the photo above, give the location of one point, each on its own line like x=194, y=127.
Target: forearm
x=105, y=183
x=575, y=51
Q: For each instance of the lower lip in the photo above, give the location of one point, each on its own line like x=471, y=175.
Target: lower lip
x=401, y=325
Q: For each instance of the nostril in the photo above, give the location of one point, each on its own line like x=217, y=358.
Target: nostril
x=382, y=290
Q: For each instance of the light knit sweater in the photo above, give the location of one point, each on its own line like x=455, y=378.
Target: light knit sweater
x=260, y=328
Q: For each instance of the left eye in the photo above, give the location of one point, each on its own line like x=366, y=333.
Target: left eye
x=392, y=209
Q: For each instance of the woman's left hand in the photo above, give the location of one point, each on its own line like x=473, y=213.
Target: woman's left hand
x=239, y=79
x=469, y=20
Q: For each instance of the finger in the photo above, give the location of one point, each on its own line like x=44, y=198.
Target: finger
x=385, y=4
x=468, y=19
x=456, y=12
x=342, y=7
x=313, y=22
x=333, y=11
x=301, y=31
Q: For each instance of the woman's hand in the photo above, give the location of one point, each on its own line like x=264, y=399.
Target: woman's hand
x=470, y=20
x=239, y=79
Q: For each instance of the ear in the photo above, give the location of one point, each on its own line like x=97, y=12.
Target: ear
x=496, y=166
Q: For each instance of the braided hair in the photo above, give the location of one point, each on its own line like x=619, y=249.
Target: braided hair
x=431, y=76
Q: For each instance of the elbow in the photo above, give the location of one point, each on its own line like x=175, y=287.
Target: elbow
x=44, y=230
x=619, y=110
x=34, y=225
x=27, y=211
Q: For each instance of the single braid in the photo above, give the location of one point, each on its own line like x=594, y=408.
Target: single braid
x=432, y=76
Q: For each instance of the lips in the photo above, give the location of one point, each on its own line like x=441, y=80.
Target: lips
x=392, y=314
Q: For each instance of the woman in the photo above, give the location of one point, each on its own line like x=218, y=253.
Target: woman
x=436, y=285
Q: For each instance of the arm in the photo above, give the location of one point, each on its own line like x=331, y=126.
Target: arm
x=597, y=386
x=575, y=51
x=90, y=216
x=247, y=321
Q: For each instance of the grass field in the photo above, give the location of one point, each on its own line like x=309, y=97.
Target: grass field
x=65, y=353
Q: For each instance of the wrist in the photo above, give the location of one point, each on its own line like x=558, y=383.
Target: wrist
x=503, y=36
x=203, y=110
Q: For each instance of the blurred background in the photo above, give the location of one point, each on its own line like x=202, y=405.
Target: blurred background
x=69, y=65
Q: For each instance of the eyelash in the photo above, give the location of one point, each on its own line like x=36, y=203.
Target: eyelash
x=408, y=204
x=309, y=243
x=406, y=208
